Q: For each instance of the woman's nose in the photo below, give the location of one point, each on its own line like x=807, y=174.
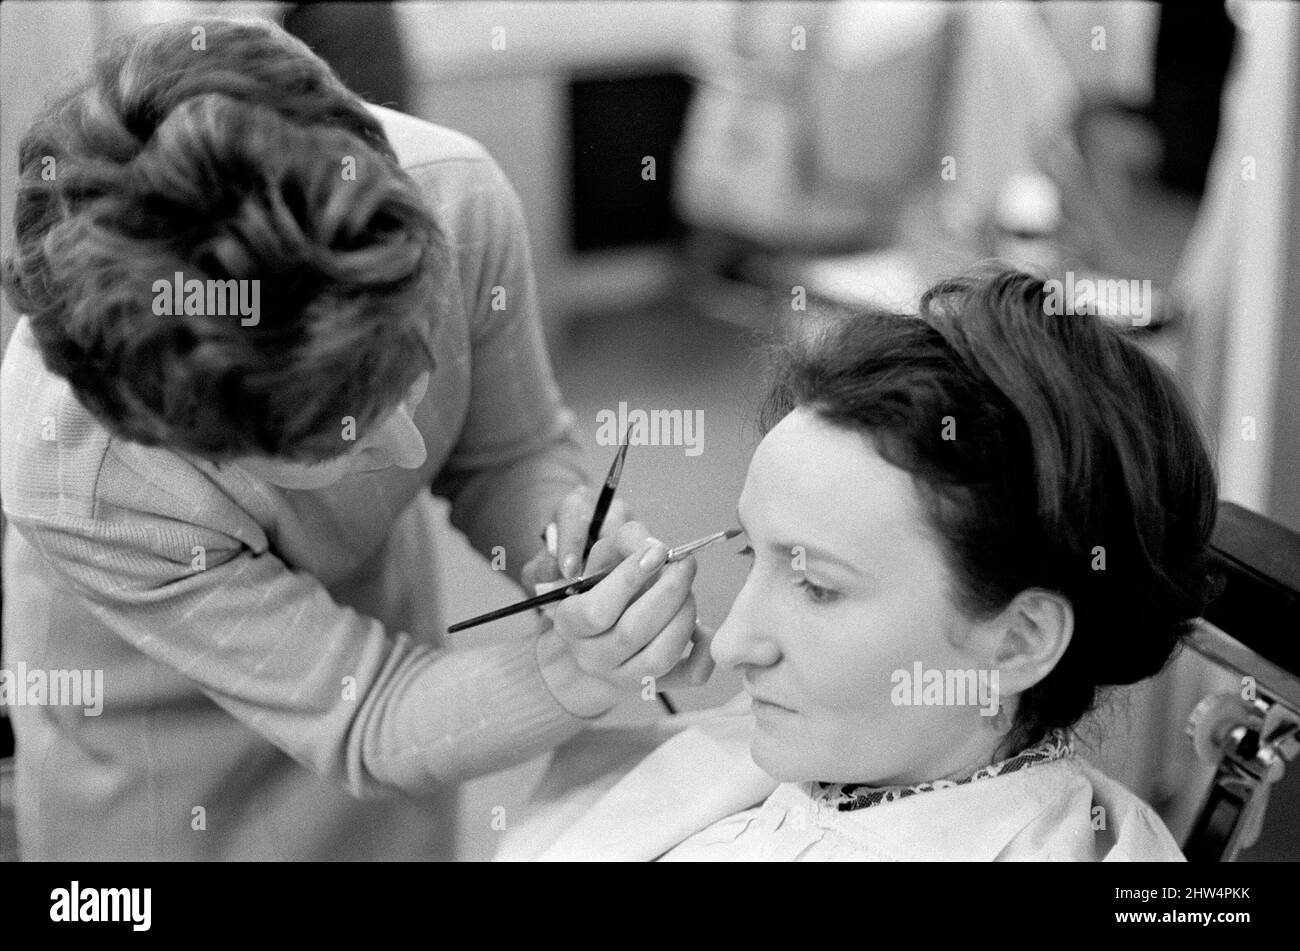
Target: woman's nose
x=740, y=640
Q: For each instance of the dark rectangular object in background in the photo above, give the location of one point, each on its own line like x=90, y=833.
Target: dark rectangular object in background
x=615, y=122
x=1260, y=603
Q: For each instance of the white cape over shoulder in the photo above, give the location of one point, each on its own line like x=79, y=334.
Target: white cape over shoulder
x=687, y=785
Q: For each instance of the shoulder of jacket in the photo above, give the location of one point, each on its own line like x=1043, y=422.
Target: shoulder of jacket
x=419, y=143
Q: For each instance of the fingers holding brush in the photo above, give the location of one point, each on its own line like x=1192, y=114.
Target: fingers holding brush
x=563, y=540
x=584, y=652
x=576, y=515
x=652, y=632
x=658, y=621
x=597, y=611
x=618, y=544
x=664, y=651
x=621, y=624
x=571, y=523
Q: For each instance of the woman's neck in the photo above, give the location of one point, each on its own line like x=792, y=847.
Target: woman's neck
x=976, y=750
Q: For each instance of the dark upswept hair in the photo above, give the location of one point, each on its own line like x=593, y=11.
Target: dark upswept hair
x=1067, y=439
x=226, y=162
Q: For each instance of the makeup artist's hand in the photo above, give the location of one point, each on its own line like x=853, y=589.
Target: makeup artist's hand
x=572, y=520
x=635, y=624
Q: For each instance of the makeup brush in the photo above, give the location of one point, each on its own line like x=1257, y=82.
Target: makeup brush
x=603, y=501
x=583, y=584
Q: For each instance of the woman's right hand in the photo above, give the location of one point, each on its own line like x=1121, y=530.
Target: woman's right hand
x=635, y=624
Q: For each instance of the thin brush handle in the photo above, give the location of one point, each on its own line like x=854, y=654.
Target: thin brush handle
x=603, y=502
x=582, y=585
x=579, y=586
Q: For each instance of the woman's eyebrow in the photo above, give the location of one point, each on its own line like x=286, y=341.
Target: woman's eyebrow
x=821, y=554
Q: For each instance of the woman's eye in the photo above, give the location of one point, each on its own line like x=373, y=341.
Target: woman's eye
x=816, y=593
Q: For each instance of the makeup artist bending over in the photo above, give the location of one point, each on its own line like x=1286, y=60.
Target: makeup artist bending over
x=218, y=494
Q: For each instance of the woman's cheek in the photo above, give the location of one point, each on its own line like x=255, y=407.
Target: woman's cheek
x=853, y=652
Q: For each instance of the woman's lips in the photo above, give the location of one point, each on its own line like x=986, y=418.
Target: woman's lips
x=765, y=704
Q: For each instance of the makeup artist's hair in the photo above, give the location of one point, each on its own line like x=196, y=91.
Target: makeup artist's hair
x=226, y=162
x=1069, y=442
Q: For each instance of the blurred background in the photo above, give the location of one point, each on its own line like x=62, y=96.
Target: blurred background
x=702, y=178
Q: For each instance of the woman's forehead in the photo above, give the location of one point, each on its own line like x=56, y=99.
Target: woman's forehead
x=810, y=475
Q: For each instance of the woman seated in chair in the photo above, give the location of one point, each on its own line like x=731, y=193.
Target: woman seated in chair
x=963, y=529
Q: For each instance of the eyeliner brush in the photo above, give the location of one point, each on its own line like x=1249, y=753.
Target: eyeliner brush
x=603, y=501
x=585, y=584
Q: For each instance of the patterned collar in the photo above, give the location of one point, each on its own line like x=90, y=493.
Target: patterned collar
x=847, y=797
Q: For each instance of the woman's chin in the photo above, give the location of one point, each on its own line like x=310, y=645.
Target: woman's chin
x=780, y=760
x=791, y=756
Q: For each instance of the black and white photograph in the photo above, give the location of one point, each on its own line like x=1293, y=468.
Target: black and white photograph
x=665, y=431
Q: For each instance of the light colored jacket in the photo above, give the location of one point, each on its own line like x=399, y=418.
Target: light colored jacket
x=689, y=791
x=292, y=699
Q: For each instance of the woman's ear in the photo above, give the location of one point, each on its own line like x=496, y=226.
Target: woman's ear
x=1026, y=640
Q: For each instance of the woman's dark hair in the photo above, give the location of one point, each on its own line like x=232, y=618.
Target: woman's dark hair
x=223, y=150
x=1066, y=446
